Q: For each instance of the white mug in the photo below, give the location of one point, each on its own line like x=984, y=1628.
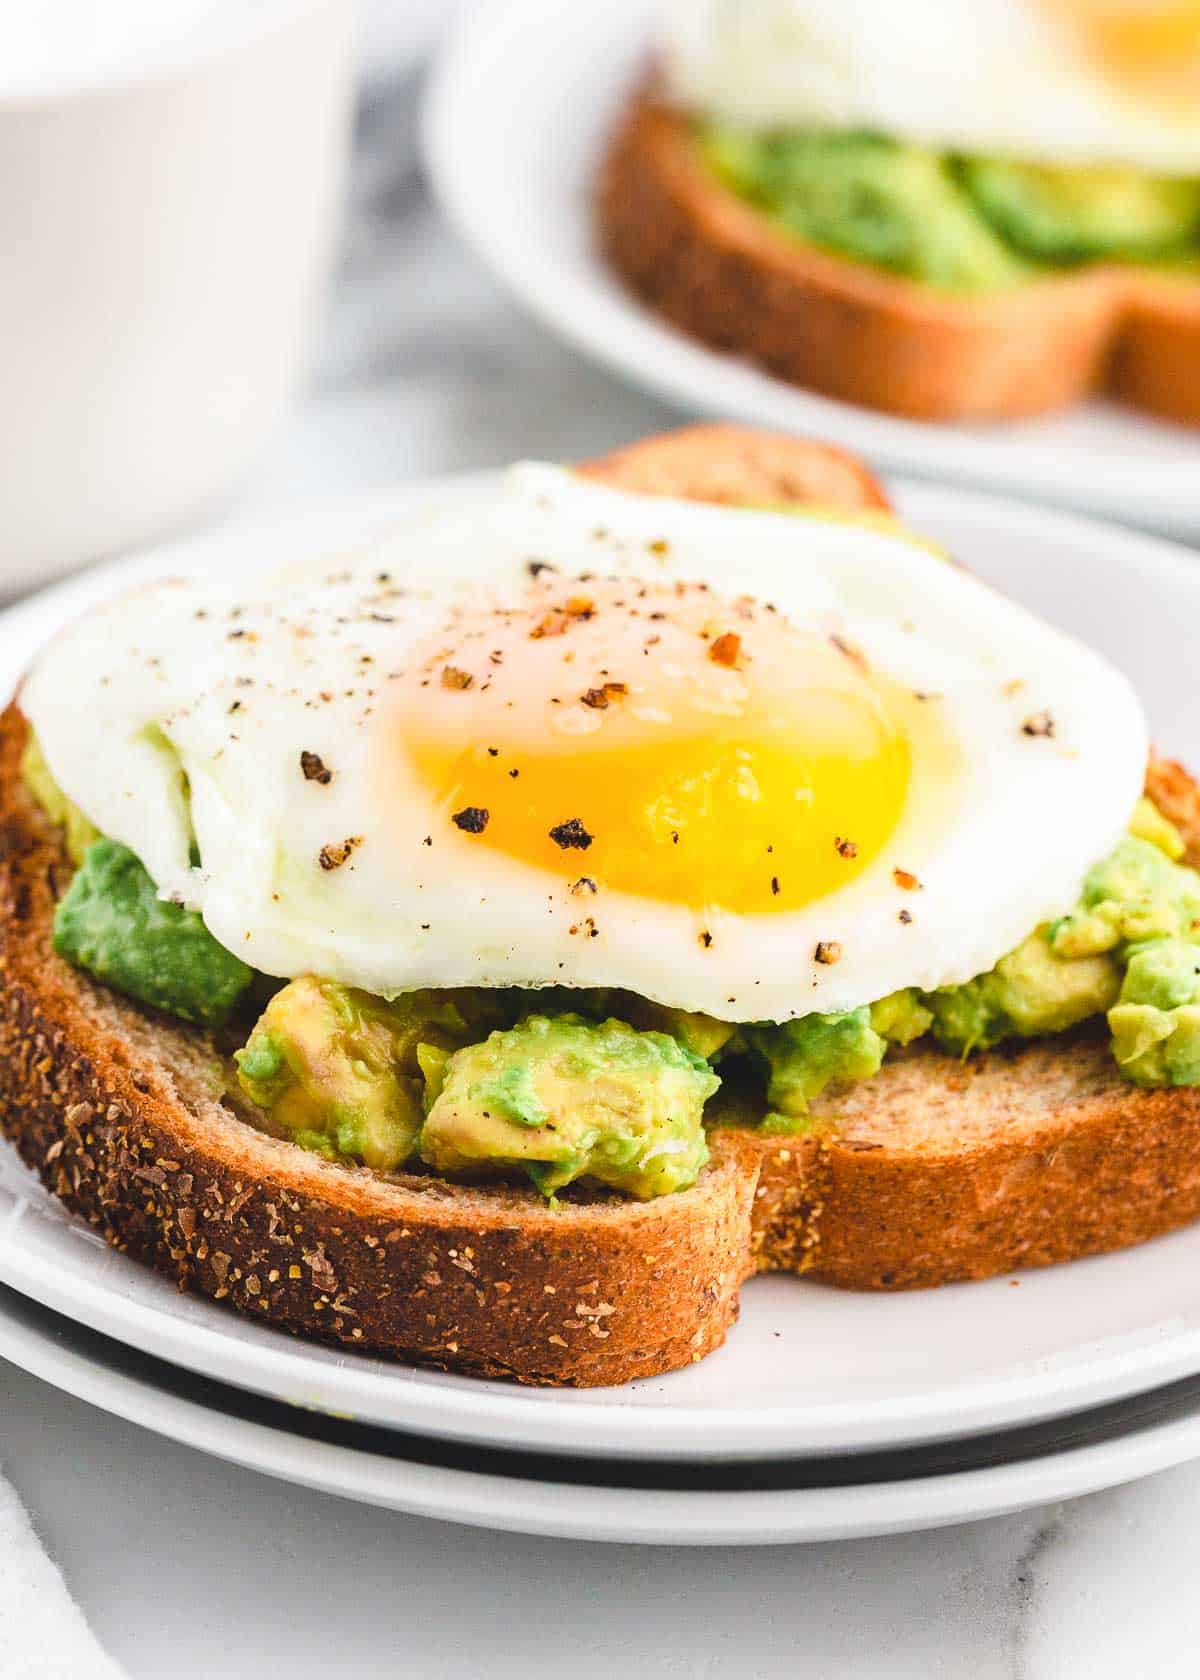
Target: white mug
x=166, y=227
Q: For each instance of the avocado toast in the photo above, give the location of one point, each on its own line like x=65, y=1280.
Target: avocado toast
x=708, y=231
x=931, y=1169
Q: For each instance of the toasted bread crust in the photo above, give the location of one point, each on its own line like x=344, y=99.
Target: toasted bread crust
x=736, y=466
x=719, y=270
x=930, y=1172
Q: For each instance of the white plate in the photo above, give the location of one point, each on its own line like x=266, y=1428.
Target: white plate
x=807, y=1369
x=523, y=98
x=695, y=1505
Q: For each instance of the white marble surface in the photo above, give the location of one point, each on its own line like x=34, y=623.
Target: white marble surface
x=190, y=1568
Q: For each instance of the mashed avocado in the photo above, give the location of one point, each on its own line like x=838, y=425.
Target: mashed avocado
x=566, y=1098
x=1071, y=215
x=900, y=207
x=1029, y=993
x=337, y=1069
x=959, y=223
x=703, y=1035
x=901, y=1017
x=113, y=923
x=1135, y=893
x=1148, y=823
x=1155, y=1023
x=802, y=1057
x=80, y=834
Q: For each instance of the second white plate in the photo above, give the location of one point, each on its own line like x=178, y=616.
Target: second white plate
x=807, y=1369
x=513, y=139
x=692, y=1505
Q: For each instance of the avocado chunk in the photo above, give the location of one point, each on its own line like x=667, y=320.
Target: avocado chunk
x=802, y=1057
x=901, y=1017
x=1155, y=1023
x=704, y=1035
x=1070, y=215
x=1030, y=992
x=39, y=779
x=1148, y=823
x=1135, y=893
x=112, y=922
x=565, y=1098
x=338, y=1070
x=900, y=207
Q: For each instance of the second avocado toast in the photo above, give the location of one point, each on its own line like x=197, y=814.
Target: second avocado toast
x=879, y=1166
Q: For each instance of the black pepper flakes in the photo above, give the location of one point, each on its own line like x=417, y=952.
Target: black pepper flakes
x=906, y=917
x=853, y=654
x=775, y=885
x=585, y=883
x=1040, y=724
x=452, y=677
x=599, y=699
x=313, y=767
x=845, y=848
x=828, y=951
x=472, y=819
x=571, y=835
x=706, y=938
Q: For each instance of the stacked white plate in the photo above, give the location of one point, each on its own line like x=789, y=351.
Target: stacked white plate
x=826, y=1414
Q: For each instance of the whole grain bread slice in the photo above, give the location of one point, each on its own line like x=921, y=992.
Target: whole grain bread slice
x=934, y=1170
x=717, y=268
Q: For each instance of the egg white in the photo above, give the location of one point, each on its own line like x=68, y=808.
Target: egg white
x=1001, y=77
x=240, y=680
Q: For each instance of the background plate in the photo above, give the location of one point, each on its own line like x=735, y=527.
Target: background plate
x=807, y=1369
x=513, y=136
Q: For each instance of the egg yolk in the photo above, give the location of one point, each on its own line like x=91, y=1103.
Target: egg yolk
x=1152, y=46
x=665, y=745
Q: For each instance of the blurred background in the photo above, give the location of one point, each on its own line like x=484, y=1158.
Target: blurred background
x=351, y=343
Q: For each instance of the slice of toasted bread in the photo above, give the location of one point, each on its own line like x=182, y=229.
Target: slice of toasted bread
x=934, y=1170
x=717, y=268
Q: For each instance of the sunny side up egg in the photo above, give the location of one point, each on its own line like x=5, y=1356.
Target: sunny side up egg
x=1053, y=81
x=738, y=762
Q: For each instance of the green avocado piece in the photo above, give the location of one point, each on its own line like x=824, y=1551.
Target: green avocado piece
x=39, y=779
x=803, y=1056
x=901, y=1017
x=1071, y=215
x=900, y=207
x=566, y=1098
x=1155, y=1023
x=343, y=1067
x=112, y=922
x=704, y=1035
x=1148, y=823
x=1135, y=893
x=1030, y=992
